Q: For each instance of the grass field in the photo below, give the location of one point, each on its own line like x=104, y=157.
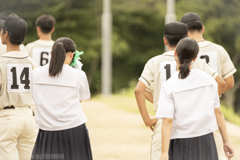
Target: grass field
x=126, y=101
x=118, y=115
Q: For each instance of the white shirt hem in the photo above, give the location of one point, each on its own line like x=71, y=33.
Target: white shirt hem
x=194, y=135
x=62, y=128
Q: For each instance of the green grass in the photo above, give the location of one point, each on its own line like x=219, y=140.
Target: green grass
x=125, y=100
x=230, y=115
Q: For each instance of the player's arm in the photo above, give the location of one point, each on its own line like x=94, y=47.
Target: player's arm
x=140, y=97
x=221, y=85
x=148, y=96
x=223, y=130
x=222, y=127
x=166, y=135
x=229, y=83
x=228, y=70
x=213, y=73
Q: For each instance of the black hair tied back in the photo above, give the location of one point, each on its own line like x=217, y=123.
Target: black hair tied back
x=184, y=70
x=187, y=49
x=57, y=59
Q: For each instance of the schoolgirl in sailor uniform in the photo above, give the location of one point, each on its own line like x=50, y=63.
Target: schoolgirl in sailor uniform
x=190, y=108
x=57, y=91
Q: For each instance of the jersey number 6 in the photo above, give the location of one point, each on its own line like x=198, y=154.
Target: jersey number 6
x=43, y=59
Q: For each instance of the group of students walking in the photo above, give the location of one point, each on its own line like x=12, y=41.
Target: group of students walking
x=189, y=124
x=38, y=84
x=40, y=88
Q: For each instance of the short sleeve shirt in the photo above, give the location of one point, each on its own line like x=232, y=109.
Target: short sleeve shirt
x=190, y=102
x=160, y=68
x=217, y=57
x=39, y=51
x=15, y=79
x=57, y=99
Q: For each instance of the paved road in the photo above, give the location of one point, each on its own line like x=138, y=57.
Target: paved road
x=116, y=134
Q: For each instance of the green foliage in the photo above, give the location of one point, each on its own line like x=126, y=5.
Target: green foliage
x=230, y=115
x=138, y=27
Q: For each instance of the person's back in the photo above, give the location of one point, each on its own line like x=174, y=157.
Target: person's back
x=40, y=49
x=189, y=107
x=215, y=55
x=156, y=72
x=58, y=90
x=17, y=119
x=164, y=66
x=17, y=66
x=194, y=116
x=63, y=109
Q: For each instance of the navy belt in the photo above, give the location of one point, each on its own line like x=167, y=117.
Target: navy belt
x=9, y=107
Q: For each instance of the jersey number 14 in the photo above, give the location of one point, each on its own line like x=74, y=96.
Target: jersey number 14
x=18, y=76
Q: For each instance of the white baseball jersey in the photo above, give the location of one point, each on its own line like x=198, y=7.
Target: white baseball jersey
x=217, y=57
x=39, y=51
x=3, y=48
x=15, y=79
x=160, y=68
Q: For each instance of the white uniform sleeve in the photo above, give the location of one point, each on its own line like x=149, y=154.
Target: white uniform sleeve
x=84, y=88
x=228, y=68
x=217, y=101
x=147, y=76
x=200, y=64
x=165, y=104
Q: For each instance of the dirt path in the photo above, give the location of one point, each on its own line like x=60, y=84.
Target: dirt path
x=120, y=135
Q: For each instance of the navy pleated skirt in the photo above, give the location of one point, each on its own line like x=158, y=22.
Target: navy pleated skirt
x=69, y=144
x=197, y=148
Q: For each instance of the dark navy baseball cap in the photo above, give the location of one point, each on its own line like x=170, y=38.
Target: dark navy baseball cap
x=190, y=17
x=175, y=28
x=16, y=25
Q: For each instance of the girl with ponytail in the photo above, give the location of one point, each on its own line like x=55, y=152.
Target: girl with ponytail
x=190, y=110
x=57, y=91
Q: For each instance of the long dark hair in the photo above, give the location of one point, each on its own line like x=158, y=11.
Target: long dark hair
x=187, y=49
x=60, y=48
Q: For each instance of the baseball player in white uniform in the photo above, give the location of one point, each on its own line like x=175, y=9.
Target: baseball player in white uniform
x=16, y=117
x=216, y=56
x=156, y=72
x=40, y=49
x=3, y=48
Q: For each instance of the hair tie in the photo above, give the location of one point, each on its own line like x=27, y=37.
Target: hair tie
x=185, y=61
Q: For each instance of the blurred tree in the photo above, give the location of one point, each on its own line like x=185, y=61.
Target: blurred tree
x=137, y=32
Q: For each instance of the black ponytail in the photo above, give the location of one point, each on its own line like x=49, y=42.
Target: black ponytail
x=57, y=59
x=62, y=46
x=184, y=70
x=187, y=49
